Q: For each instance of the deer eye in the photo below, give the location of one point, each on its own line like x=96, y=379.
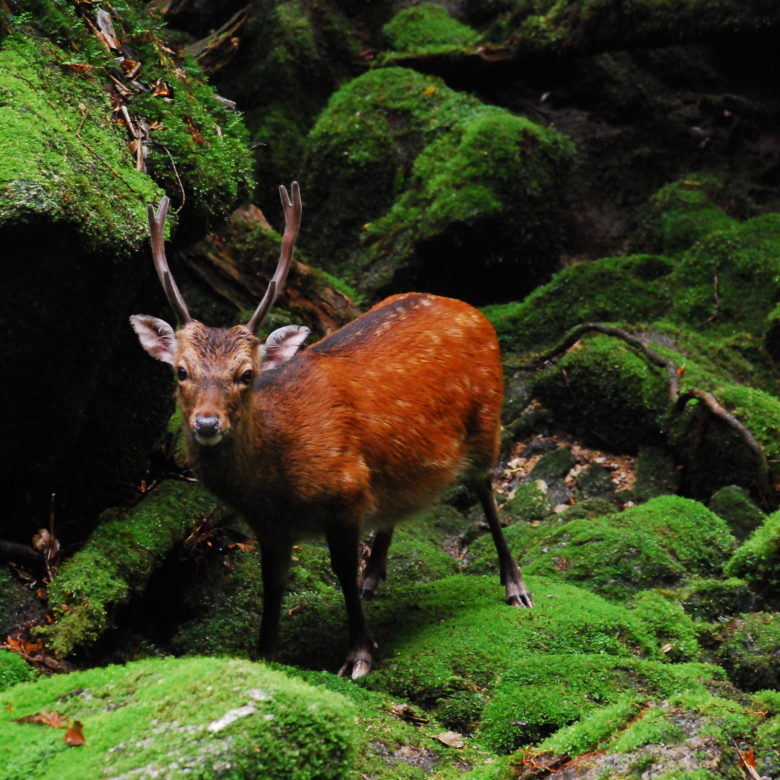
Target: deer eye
x=246, y=377
x=181, y=373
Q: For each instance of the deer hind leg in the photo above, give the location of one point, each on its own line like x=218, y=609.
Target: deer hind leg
x=376, y=567
x=343, y=543
x=517, y=594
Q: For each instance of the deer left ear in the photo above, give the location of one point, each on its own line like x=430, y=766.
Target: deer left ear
x=156, y=336
x=281, y=346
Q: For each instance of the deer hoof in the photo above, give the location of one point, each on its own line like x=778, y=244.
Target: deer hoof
x=519, y=597
x=357, y=665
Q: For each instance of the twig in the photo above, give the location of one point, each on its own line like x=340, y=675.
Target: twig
x=178, y=178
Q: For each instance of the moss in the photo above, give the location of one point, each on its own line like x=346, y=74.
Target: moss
x=682, y=213
x=196, y=139
x=713, y=600
x=427, y=29
x=421, y=170
x=117, y=561
x=621, y=399
x=457, y=636
x=180, y=716
x=55, y=163
x=758, y=559
x=13, y=670
x=750, y=650
x=656, y=473
x=672, y=627
x=553, y=465
x=530, y=501
x=760, y=413
x=733, y=504
x=538, y=697
x=767, y=736
x=660, y=542
x=613, y=289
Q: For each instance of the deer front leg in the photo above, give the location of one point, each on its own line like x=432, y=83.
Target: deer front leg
x=276, y=567
x=343, y=543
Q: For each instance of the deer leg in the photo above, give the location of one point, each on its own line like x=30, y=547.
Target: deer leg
x=376, y=567
x=517, y=593
x=276, y=567
x=343, y=544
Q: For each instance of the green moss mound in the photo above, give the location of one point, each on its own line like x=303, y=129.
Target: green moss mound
x=427, y=29
x=657, y=543
x=757, y=561
x=96, y=580
x=456, y=636
x=750, y=650
x=539, y=695
x=733, y=504
x=13, y=670
x=56, y=164
x=419, y=173
x=173, y=717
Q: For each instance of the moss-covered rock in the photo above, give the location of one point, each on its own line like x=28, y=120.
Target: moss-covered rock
x=422, y=175
x=530, y=501
x=714, y=599
x=426, y=28
x=539, y=695
x=173, y=717
x=117, y=562
x=758, y=559
x=750, y=650
x=673, y=628
x=620, y=398
x=13, y=670
x=733, y=504
x=73, y=222
x=656, y=473
x=455, y=635
x=657, y=543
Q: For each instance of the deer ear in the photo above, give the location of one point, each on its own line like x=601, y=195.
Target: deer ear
x=281, y=345
x=156, y=336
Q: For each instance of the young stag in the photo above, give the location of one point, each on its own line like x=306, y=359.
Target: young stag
x=362, y=429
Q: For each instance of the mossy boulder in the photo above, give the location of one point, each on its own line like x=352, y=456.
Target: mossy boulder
x=13, y=670
x=733, y=504
x=174, y=717
x=661, y=542
x=620, y=398
x=455, y=635
x=715, y=599
x=409, y=179
x=758, y=559
x=538, y=696
x=424, y=29
x=117, y=562
x=73, y=227
x=750, y=650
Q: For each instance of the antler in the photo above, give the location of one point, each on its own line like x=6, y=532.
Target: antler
x=156, y=230
x=292, y=222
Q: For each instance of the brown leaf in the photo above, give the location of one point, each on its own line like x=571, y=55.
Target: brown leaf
x=406, y=713
x=75, y=734
x=451, y=739
x=9, y=706
x=194, y=132
x=50, y=718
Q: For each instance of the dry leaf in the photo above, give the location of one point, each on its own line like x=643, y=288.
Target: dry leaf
x=50, y=718
x=451, y=739
x=75, y=734
x=406, y=713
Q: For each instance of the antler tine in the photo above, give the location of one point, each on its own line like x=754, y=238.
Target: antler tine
x=156, y=231
x=292, y=222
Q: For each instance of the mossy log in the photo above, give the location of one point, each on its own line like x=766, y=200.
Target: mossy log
x=117, y=562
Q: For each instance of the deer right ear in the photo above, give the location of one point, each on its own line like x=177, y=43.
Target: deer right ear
x=156, y=336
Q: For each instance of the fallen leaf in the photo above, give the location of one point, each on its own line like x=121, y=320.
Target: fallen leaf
x=405, y=713
x=9, y=706
x=50, y=718
x=75, y=734
x=451, y=739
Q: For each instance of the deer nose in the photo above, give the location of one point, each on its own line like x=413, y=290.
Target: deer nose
x=207, y=426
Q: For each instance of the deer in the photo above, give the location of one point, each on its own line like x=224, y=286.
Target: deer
x=361, y=430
